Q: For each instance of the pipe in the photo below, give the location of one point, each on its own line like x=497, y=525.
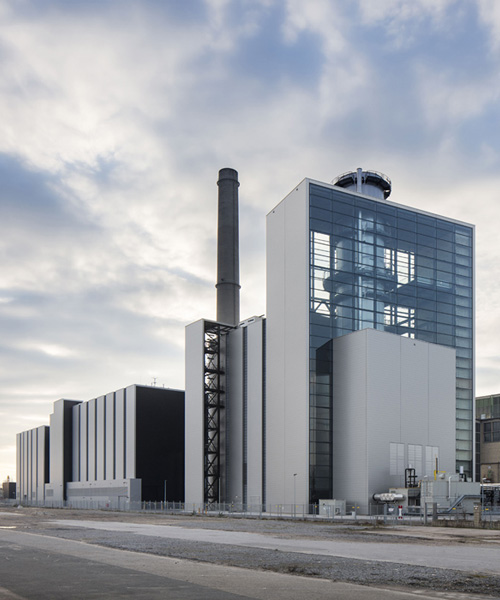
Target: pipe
x=388, y=497
x=228, y=267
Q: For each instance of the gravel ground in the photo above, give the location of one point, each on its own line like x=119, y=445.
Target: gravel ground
x=376, y=573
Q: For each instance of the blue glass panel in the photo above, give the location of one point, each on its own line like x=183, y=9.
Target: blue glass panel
x=426, y=240
x=445, y=245
x=319, y=213
x=426, y=230
x=343, y=209
x=424, y=219
x=321, y=202
x=408, y=236
x=320, y=226
x=365, y=204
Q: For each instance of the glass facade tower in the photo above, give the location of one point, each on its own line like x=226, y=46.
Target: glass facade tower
x=375, y=264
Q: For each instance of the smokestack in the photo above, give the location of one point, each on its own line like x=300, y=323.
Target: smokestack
x=228, y=262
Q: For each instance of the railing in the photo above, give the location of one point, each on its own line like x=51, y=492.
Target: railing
x=376, y=514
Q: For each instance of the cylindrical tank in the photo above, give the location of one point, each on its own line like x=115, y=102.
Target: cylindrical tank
x=370, y=183
x=228, y=268
x=389, y=497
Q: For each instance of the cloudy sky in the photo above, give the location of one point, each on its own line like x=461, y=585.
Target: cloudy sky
x=116, y=116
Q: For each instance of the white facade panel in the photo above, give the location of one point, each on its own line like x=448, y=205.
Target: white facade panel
x=350, y=448
x=100, y=438
x=234, y=416
x=388, y=393
x=194, y=402
x=414, y=397
x=384, y=390
x=130, y=429
x=119, y=493
x=19, y=468
x=76, y=442
x=32, y=459
x=287, y=409
x=91, y=444
x=41, y=436
x=120, y=434
x=24, y=444
x=441, y=421
x=254, y=456
x=84, y=456
x=110, y=436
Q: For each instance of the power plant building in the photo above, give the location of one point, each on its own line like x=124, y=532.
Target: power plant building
x=362, y=367
x=115, y=450
x=341, y=258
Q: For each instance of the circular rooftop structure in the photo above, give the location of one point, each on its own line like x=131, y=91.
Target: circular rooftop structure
x=370, y=183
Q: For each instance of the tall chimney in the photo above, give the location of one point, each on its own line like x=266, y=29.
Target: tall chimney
x=228, y=263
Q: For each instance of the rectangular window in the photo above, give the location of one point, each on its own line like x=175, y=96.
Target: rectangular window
x=415, y=457
x=431, y=460
x=396, y=459
x=491, y=431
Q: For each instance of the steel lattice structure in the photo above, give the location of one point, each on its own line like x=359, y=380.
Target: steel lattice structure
x=214, y=405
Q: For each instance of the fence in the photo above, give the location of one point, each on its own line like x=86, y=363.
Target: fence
x=376, y=514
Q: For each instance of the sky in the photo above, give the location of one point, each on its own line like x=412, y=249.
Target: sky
x=116, y=116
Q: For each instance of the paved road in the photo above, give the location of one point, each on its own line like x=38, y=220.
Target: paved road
x=473, y=559
x=34, y=566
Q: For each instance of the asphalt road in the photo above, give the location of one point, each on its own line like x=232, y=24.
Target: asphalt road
x=78, y=554
x=474, y=559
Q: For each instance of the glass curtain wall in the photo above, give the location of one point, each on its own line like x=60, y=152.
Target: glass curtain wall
x=374, y=265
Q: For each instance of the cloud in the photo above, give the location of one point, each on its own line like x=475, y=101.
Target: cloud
x=117, y=115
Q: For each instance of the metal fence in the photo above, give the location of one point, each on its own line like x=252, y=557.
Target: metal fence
x=381, y=514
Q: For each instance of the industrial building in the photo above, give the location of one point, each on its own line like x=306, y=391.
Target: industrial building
x=488, y=438
x=274, y=409
x=115, y=450
x=360, y=373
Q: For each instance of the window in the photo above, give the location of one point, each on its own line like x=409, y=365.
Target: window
x=397, y=459
x=431, y=460
x=491, y=431
x=415, y=457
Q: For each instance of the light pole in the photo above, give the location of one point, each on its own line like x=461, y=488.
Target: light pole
x=294, y=479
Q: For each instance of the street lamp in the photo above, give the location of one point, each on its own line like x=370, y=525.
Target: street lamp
x=294, y=476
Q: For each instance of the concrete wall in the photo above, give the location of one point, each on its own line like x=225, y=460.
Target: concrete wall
x=242, y=418
x=103, y=444
x=234, y=417
x=390, y=394
x=32, y=464
x=287, y=389
x=118, y=493
x=244, y=412
x=194, y=432
x=255, y=406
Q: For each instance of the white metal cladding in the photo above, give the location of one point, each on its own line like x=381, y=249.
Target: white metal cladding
x=234, y=416
x=120, y=434
x=91, y=436
x=83, y=442
x=244, y=413
x=100, y=438
x=287, y=409
x=109, y=446
x=254, y=420
x=120, y=493
x=104, y=437
x=130, y=429
x=194, y=403
x=31, y=461
x=76, y=442
x=388, y=390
